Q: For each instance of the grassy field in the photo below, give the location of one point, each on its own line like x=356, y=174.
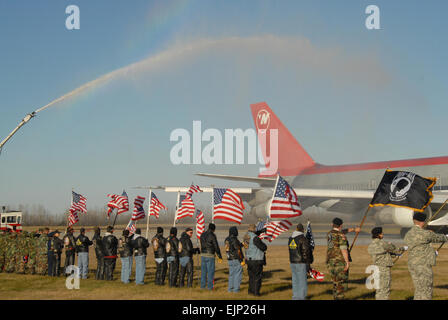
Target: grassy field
x=276, y=282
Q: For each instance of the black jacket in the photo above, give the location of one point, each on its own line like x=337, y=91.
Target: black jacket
x=209, y=243
x=83, y=243
x=233, y=246
x=56, y=245
x=159, y=245
x=98, y=245
x=69, y=242
x=172, y=246
x=187, y=246
x=125, y=247
x=110, y=244
x=299, y=250
x=139, y=244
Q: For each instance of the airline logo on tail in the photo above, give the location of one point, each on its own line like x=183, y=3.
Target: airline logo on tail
x=263, y=120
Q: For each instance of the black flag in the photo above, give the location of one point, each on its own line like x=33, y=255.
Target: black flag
x=404, y=189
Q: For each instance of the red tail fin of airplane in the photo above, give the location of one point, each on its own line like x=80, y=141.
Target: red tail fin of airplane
x=292, y=158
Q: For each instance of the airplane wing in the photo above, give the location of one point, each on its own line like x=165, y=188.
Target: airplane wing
x=267, y=182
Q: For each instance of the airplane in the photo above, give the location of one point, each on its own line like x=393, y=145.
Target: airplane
x=337, y=190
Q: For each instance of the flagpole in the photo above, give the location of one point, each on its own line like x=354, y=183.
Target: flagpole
x=71, y=203
x=360, y=226
x=116, y=215
x=213, y=206
x=435, y=214
x=177, y=207
x=149, y=211
x=272, y=199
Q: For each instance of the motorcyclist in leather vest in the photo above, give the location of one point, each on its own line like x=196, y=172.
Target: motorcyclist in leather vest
x=82, y=248
x=139, y=245
x=110, y=244
x=159, y=246
x=172, y=250
x=70, y=248
x=125, y=251
x=186, y=257
x=56, y=246
x=99, y=252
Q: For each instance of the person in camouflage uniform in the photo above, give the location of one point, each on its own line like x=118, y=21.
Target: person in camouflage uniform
x=21, y=252
x=3, y=246
x=422, y=256
x=382, y=252
x=31, y=252
x=10, y=254
x=338, y=258
x=40, y=252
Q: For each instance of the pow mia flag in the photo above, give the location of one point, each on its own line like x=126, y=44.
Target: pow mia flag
x=403, y=189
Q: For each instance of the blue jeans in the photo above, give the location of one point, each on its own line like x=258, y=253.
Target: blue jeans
x=125, y=269
x=299, y=282
x=207, y=272
x=130, y=266
x=235, y=275
x=140, y=267
x=83, y=264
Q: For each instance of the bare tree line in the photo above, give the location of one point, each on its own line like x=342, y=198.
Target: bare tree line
x=38, y=215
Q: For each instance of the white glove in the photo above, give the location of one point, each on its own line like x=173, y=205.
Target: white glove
x=405, y=248
x=437, y=253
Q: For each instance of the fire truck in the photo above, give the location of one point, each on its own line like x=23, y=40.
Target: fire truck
x=10, y=220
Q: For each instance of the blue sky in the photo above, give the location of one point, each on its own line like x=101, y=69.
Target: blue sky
x=354, y=95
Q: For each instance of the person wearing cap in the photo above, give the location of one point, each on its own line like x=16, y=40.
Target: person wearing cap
x=422, y=256
x=99, y=253
x=235, y=258
x=172, y=253
x=338, y=258
x=255, y=259
x=110, y=244
x=70, y=248
x=82, y=248
x=186, y=252
x=209, y=248
x=139, y=245
x=125, y=251
x=382, y=252
x=159, y=247
x=300, y=260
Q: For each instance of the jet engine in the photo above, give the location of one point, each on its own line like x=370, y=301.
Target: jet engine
x=399, y=216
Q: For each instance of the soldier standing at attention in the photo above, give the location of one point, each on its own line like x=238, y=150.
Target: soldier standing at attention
x=338, y=257
x=422, y=256
x=381, y=252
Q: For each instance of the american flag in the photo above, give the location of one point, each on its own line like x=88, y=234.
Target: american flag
x=193, y=189
x=227, y=205
x=274, y=229
x=78, y=203
x=73, y=218
x=139, y=212
x=309, y=236
x=186, y=208
x=131, y=227
x=155, y=206
x=319, y=276
x=120, y=203
x=285, y=203
x=200, y=223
